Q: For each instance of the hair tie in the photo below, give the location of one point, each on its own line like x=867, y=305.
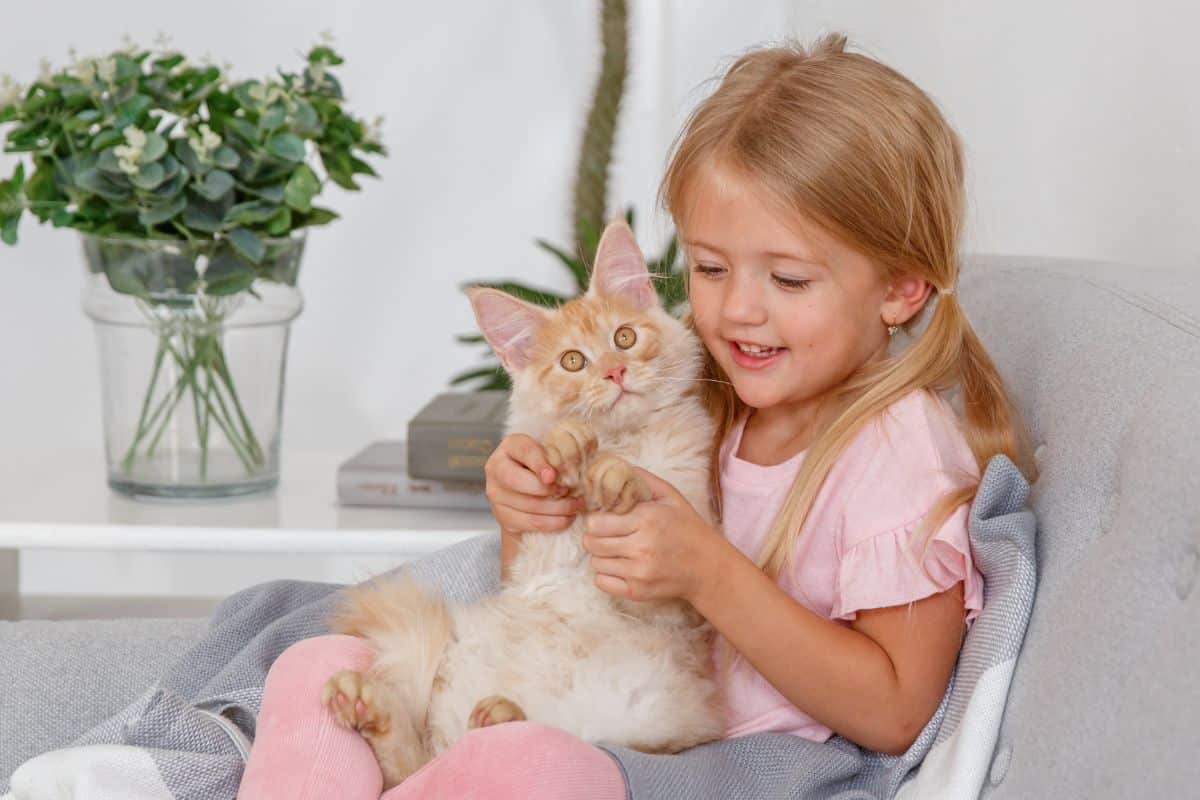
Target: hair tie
x=946, y=291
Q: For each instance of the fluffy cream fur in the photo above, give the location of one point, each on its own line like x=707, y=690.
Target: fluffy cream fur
x=550, y=646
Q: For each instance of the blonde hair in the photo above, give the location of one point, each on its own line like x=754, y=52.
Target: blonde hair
x=860, y=150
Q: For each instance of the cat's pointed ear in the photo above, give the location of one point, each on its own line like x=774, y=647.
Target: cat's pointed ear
x=620, y=269
x=507, y=323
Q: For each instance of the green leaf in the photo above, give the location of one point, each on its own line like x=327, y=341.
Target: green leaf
x=337, y=164
x=249, y=213
x=273, y=192
x=148, y=177
x=172, y=186
x=228, y=273
x=287, y=146
x=248, y=244
x=167, y=62
x=215, y=184
x=360, y=167
x=108, y=162
x=8, y=228
x=185, y=153
x=91, y=180
x=106, y=138
x=273, y=118
x=301, y=188
x=226, y=157
x=131, y=111
x=156, y=148
x=324, y=55
x=318, y=216
x=305, y=118
x=243, y=129
x=578, y=270
x=127, y=67
x=281, y=223
x=162, y=212
x=202, y=216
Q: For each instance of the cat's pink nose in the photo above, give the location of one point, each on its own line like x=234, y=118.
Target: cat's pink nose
x=617, y=374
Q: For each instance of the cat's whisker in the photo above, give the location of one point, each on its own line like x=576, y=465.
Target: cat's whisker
x=712, y=380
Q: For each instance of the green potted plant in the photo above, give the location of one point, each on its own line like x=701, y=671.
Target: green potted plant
x=590, y=195
x=192, y=194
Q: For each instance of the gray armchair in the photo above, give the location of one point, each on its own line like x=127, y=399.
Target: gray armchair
x=1104, y=360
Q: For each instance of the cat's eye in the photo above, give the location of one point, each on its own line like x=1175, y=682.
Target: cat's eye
x=572, y=361
x=624, y=338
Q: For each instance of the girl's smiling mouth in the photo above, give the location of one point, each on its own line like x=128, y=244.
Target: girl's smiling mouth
x=750, y=356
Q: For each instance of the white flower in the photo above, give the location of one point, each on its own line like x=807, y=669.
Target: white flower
x=10, y=90
x=162, y=39
x=107, y=70
x=316, y=73
x=327, y=36
x=128, y=166
x=136, y=137
x=46, y=71
x=130, y=45
x=205, y=143
x=85, y=71
x=265, y=93
x=374, y=132
x=210, y=139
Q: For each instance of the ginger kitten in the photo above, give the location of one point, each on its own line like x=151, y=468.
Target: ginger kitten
x=606, y=381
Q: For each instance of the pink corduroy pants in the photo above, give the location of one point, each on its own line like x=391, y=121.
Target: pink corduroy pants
x=300, y=753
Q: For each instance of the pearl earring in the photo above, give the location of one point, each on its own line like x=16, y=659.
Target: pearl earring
x=892, y=329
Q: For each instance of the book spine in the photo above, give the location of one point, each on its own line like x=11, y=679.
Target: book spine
x=379, y=488
x=451, y=452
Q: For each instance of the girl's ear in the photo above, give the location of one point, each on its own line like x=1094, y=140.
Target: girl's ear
x=620, y=269
x=507, y=323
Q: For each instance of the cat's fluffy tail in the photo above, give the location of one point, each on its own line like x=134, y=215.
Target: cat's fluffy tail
x=409, y=627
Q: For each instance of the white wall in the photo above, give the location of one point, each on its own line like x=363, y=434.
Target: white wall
x=1080, y=121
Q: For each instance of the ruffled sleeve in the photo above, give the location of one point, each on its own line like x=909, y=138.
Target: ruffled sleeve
x=910, y=458
x=885, y=570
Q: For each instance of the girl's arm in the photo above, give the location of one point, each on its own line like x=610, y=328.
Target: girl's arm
x=876, y=683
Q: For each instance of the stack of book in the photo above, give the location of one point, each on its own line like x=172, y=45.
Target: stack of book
x=439, y=465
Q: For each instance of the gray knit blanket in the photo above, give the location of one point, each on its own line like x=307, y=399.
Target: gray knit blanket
x=188, y=736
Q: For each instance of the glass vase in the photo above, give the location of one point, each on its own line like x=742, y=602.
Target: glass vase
x=193, y=341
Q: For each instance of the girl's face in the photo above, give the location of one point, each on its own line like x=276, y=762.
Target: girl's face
x=757, y=282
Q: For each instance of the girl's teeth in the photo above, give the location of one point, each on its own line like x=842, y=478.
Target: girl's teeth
x=757, y=351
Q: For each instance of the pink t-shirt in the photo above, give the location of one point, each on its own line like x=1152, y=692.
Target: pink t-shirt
x=849, y=553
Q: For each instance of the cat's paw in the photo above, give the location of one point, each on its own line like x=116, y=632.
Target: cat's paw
x=351, y=698
x=494, y=710
x=610, y=484
x=568, y=447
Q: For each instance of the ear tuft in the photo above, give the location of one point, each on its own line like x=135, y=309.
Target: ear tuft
x=507, y=323
x=620, y=269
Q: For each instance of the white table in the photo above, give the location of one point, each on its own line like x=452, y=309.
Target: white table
x=59, y=500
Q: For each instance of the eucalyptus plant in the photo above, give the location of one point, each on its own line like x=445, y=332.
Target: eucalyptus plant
x=152, y=146
x=139, y=146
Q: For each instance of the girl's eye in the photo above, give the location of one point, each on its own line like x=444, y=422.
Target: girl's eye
x=572, y=361
x=624, y=337
x=791, y=283
x=706, y=270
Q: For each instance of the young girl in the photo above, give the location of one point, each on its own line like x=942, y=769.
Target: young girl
x=818, y=196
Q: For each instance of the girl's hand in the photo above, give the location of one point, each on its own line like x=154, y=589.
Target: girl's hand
x=662, y=549
x=520, y=485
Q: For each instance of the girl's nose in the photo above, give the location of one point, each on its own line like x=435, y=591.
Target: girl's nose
x=743, y=304
x=617, y=374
